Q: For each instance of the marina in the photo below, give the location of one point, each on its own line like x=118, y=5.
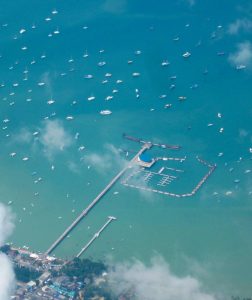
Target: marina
x=175, y=76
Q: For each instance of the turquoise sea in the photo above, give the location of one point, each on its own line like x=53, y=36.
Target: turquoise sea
x=208, y=235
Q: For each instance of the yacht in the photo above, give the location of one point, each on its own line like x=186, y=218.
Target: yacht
x=88, y=76
x=168, y=105
x=105, y=112
x=186, y=54
x=181, y=98
x=85, y=55
x=240, y=67
x=165, y=63
x=101, y=63
x=91, y=98
x=56, y=31
x=21, y=31
x=51, y=101
x=135, y=74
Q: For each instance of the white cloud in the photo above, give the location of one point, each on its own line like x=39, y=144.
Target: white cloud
x=106, y=161
x=154, y=282
x=7, y=276
x=6, y=223
x=240, y=24
x=54, y=137
x=243, y=55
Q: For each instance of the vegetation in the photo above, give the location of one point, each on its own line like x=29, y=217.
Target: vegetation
x=25, y=274
x=83, y=269
x=5, y=249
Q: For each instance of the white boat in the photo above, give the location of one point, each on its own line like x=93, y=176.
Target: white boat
x=91, y=98
x=105, y=112
x=168, y=105
x=165, y=63
x=89, y=76
x=85, y=55
x=186, y=54
x=135, y=74
x=109, y=98
x=69, y=118
x=56, y=31
x=101, y=63
x=240, y=67
x=50, y=102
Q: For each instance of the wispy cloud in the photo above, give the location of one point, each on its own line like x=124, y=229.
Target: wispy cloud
x=23, y=136
x=240, y=25
x=106, y=161
x=154, y=282
x=54, y=137
x=243, y=54
x=191, y=2
x=114, y=6
x=7, y=276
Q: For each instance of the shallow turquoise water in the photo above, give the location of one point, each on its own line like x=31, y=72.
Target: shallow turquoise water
x=211, y=230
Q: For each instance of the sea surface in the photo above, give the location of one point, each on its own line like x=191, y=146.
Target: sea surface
x=70, y=160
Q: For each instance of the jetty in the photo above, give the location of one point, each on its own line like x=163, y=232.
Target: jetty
x=141, y=141
x=96, y=235
x=96, y=200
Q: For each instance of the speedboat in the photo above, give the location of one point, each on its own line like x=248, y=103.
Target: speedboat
x=105, y=112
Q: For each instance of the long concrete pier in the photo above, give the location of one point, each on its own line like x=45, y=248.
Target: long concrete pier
x=96, y=235
x=94, y=202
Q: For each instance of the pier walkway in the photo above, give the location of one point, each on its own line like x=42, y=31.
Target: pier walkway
x=96, y=235
x=94, y=202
